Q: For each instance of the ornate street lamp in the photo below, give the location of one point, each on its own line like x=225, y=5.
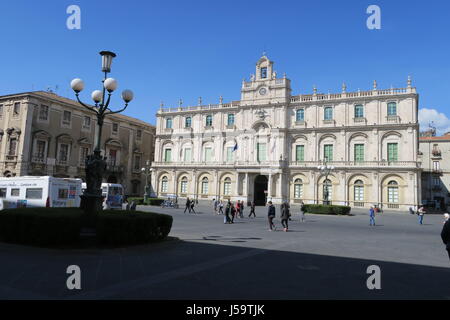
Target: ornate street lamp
x=147, y=171
x=326, y=170
x=95, y=163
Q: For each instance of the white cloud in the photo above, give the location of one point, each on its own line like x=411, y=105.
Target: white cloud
x=440, y=120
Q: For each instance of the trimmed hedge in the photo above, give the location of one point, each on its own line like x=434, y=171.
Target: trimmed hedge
x=150, y=201
x=123, y=227
x=155, y=201
x=40, y=226
x=324, y=209
x=139, y=200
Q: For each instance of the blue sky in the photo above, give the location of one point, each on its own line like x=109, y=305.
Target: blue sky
x=185, y=49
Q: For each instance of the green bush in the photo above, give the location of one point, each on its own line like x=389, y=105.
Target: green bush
x=40, y=226
x=154, y=201
x=139, y=200
x=324, y=209
x=125, y=227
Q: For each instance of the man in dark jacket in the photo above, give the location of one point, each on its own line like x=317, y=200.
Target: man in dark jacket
x=445, y=235
x=188, y=205
x=271, y=215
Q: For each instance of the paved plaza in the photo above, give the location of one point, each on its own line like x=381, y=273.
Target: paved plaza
x=325, y=257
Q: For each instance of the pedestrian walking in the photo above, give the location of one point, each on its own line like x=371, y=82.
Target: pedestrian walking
x=372, y=216
x=133, y=205
x=215, y=203
x=232, y=212
x=445, y=235
x=188, y=206
x=446, y=217
x=285, y=216
x=227, y=213
x=220, y=207
x=271, y=215
x=411, y=210
x=241, y=209
x=192, y=207
x=252, y=209
x=302, y=212
x=421, y=213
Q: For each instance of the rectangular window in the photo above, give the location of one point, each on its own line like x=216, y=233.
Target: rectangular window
x=84, y=151
x=208, y=154
x=40, y=149
x=392, y=151
x=16, y=110
x=2, y=192
x=87, y=122
x=436, y=165
x=43, y=113
x=183, y=186
x=328, y=152
x=188, y=122
x=436, y=181
x=328, y=113
x=359, y=111
x=392, y=194
x=164, y=186
x=115, y=128
x=63, y=193
x=300, y=115
x=209, y=121
x=227, y=188
x=261, y=152
x=230, y=154
x=1, y=110
x=392, y=109
x=187, y=155
x=168, y=155
x=169, y=123
x=359, y=152
x=12, y=147
x=137, y=162
x=204, y=187
x=138, y=134
x=33, y=193
x=15, y=192
x=230, y=121
x=67, y=117
x=299, y=153
x=359, y=193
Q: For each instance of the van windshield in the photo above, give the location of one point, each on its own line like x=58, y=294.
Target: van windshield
x=115, y=191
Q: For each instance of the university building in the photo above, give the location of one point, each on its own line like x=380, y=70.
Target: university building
x=42, y=134
x=269, y=146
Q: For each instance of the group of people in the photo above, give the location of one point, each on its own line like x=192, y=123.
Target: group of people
x=190, y=204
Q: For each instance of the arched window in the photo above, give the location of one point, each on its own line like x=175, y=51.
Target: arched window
x=188, y=122
x=358, y=189
x=392, y=109
x=227, y=187
x=205, y=185
x=164, y=184
x=300, y=115
x=298, y=189
x=208, y=120
x=393, y=192
x=184, y=185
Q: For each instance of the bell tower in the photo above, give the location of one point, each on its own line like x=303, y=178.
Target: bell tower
x=264, y=87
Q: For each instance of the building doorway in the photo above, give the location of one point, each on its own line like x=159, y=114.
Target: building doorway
x=260, y=191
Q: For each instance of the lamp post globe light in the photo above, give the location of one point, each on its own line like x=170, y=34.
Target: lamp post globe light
x=326, y=169
x=91, y=200
x=147, y=171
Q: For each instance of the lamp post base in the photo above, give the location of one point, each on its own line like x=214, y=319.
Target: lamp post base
x=91, y=205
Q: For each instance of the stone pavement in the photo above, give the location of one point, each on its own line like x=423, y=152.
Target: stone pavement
x=324, y=258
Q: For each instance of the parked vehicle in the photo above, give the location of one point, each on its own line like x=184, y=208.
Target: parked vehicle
x=112, y=195
x=29, y=191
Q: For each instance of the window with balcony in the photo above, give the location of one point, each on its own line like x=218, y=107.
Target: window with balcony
x=12, y=147
x=298, y=189
x=230, y=154
x=137, y=162
x=39, y=152
x=328, y=114
x=359, y=111
x=436, y=182
x=112, y=157
x=63, y=153
x=168, y=155
x=188, y=122
x=16, y=109
x=87, y=123
x=300, y=153
x=230, y=120
x=328, y=152
x=43, y=113
x=208, y=155
x=261, y=153
x=300, y=115
x=209, y=119
x=84, y=152
x=187, y=155
x=359, y=152
x=392, y=109
x=392, y=149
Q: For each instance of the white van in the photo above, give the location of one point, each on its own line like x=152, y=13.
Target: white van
x=46, y=191
x=112, y=195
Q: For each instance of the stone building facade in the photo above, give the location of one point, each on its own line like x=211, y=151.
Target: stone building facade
x=435, y=152
x=269, y=145
x=42, y=133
